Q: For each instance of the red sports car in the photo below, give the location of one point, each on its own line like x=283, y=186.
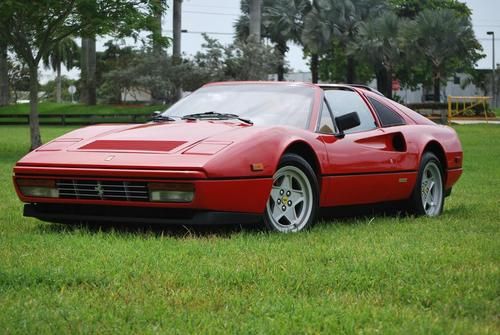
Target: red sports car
x=241, y=152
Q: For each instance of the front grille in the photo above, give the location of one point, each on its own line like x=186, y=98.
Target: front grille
x=102, y=190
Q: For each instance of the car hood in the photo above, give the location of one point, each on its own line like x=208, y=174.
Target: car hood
x=178, y=145
x=154, y=138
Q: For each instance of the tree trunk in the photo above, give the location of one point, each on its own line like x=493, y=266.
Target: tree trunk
x=437, y=86
x=158, y=13
x=36, y=139
x=381, y=75
x=88, y=72
x=4, y=76
x=350, y=70
x=157, y=95
x=255, y=19
x=83, y=71
x=388, y=84
x=281, y=47
x=314, y=68
x=92, y=81
x=58, y=83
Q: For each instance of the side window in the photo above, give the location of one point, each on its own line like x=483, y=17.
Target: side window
x=387, y=116
x=344, y=101
x=325, y=125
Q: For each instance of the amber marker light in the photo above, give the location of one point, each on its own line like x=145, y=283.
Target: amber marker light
x=171, y=192
x=38, y=188
x=257, y=167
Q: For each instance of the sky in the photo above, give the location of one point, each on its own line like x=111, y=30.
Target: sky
x=216, y=17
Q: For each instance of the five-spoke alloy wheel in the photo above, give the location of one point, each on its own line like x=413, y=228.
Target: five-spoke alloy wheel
x=428, y=195
x=293, y=201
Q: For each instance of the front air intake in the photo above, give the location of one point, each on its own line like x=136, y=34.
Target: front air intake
x=102, y=190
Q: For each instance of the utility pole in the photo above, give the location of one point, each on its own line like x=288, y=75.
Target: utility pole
x=177, y=22
x=177, y=31
x=255, y=19
x=493, y=84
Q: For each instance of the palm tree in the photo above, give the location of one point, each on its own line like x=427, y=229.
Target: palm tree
x=350, y=14
x=379, y=41
x=317, y=35
x=441, y=36
x=282, y=21
x=64, y=52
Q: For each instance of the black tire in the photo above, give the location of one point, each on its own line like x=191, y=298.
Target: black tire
x=285, y=197
x=430, y=169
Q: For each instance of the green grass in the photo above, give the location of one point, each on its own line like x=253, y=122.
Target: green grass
x=373, y=275
x=67, y=108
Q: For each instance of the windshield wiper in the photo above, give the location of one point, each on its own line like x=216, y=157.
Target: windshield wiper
x=214, y=115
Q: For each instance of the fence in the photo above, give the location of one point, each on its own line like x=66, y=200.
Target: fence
x=474, y=106
x=74, y=119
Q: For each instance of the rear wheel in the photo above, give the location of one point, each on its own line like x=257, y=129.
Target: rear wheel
x=428, y=195
x=293, y=201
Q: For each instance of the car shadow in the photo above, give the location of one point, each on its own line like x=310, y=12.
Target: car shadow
x=178, y=231
x=339, y=215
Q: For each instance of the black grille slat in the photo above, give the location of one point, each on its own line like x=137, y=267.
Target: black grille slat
x=103, y=190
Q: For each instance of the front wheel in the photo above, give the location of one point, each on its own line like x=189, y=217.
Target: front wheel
x=293, y=201
x=428, y=195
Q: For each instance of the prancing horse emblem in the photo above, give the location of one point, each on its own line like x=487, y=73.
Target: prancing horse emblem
x=109, y=158
x=99, y=189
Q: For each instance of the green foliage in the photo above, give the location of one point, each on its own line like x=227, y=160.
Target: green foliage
x=333, y=65
x=50, y=89
x=356, y=275
x=68, y=108
x=411, y=8
x=66, y=52
x=444, y=41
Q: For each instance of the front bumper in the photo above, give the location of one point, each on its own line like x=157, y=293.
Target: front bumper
x=242, y=195
x=59, y=213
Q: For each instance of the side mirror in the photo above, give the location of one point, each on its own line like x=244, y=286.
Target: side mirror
x=346, y=122
x=155, y=115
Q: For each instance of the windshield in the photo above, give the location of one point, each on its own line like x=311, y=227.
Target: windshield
x=262, y=104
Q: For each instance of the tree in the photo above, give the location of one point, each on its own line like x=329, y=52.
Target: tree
x=32, y=28
x=445, y=42
x=380, y=42
x=282, y=21
x=64, y=52
x=411, y=8
x=316, y=36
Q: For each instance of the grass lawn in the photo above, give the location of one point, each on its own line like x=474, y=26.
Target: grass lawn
x=68, y=108
x=373, y=275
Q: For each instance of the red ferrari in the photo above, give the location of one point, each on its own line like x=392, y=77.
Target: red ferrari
x=241, y=152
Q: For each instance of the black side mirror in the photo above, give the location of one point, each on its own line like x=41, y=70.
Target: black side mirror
x=156, y=115
x=347, y=121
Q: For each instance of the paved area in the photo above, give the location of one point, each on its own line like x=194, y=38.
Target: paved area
x=496, y=121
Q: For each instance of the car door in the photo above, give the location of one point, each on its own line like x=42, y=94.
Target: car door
x=370, y=163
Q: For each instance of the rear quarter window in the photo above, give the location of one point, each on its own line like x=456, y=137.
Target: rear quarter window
x=387, y=116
